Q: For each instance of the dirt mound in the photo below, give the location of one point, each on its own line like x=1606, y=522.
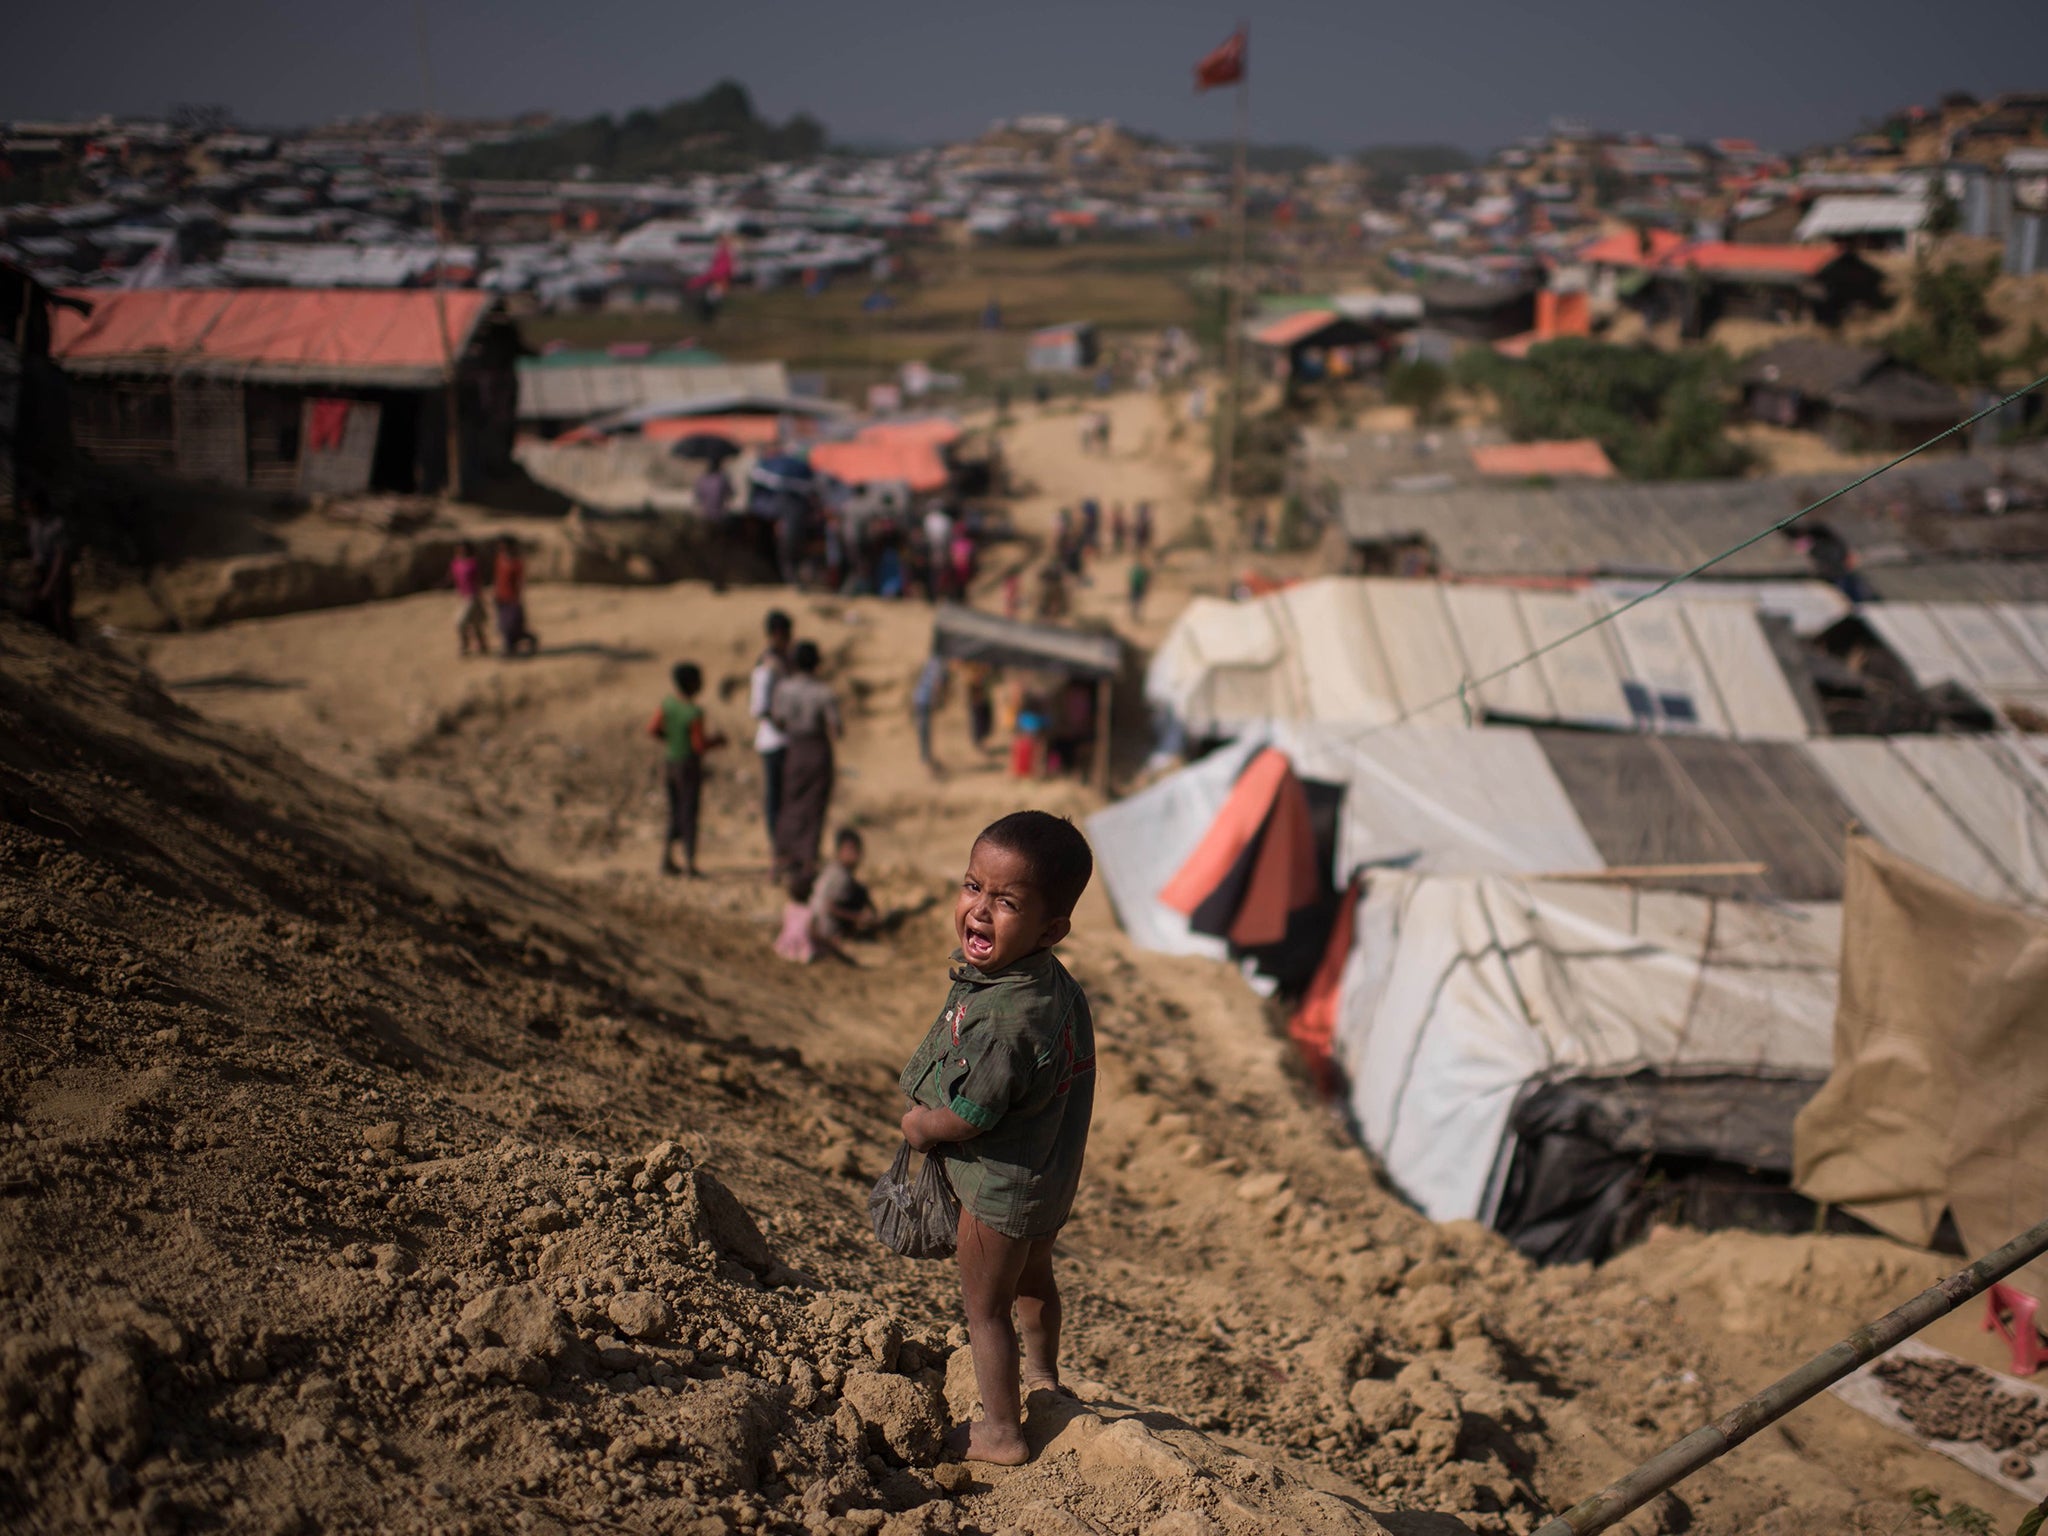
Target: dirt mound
x=332, y=1194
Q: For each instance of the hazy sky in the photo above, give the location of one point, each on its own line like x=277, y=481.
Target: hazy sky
x=1333, y=73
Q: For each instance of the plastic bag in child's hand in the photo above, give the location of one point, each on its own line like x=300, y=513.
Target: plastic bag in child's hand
x=918, y=1218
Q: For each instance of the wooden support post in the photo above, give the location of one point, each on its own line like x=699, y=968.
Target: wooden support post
x=1103, y=689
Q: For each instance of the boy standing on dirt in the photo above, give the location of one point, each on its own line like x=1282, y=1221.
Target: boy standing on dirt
x=1001, y=1092
x=680, y=728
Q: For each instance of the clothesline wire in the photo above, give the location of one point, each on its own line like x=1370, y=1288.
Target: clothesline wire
x=1461, y=694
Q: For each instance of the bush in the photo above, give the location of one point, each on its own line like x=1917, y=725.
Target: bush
x=1658, y=415
x=1421, y=385
x=1951, y=317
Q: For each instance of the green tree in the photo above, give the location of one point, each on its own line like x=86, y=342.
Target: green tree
x=1658, y=415
x=1422, y=385
x=1951, y=320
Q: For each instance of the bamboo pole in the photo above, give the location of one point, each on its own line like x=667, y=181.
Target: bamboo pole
x=1658, y=872
x=1712, y=1441
x=1103, y=688
x=1233, y=303
x=451, y=482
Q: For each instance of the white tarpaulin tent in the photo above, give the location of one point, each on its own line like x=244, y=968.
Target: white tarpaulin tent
x=1999, y=651
x=1434, y=798
x=1372, y=651
x=1461, y=992
x=1974, y=809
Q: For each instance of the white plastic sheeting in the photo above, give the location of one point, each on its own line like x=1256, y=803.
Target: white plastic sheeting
x=1367, y=651
x=1459, y=992
x=1997, y=650
x=1809, y=606
x=1971, y=808
x=1432, y=798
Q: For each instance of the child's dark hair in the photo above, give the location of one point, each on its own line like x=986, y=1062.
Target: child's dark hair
x=848, y=835
x=805, y=657
x=777, y=623
x=688, y=678
x=801, y=883
x=1054, y=848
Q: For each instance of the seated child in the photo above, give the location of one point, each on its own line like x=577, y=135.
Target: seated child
x=798, y=938
x=1001, y=1091
x=840, y=905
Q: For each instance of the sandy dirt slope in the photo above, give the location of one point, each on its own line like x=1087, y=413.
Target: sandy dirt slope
x=371, y=886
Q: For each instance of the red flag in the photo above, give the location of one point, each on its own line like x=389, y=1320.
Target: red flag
x=719, y=273
x=1224, y=65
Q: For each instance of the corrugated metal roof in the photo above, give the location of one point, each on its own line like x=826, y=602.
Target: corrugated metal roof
x=272, y=335
x=1862, y=214
x=971, y=635
x=576, y=392
x=1364, y=651
x=1660, y=528
x=1588, y=529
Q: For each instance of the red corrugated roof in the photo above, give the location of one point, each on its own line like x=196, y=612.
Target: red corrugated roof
x=1579, y=457
x=1289, y=329
x=1669, y=253
x=1725, y=256
x=1625, y=249
x=314, y=332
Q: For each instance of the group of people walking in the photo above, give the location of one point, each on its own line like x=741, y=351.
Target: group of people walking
x=796, y=721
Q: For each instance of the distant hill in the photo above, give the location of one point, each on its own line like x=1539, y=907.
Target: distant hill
x=718, y=131
x=1393, y=163
x=1282, y=159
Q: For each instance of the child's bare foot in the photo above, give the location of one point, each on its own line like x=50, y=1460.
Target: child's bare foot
x=1038, y=1382
x=983, y=1441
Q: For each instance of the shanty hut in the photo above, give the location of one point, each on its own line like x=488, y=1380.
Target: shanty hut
x=1790, y=384
x=330, y=391
x=1068, y=348
x=1314, y=344
x=1079, y=660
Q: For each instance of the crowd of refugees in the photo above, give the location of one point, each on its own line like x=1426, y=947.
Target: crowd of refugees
x=816, y=535
x=1079, y=540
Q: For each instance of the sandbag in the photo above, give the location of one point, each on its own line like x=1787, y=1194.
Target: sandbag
x=917, y=1218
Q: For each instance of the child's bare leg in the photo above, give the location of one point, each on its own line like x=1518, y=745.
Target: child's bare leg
x=1038, y=1318
x=989, y=1266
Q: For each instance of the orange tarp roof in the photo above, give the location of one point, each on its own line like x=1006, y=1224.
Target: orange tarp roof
x=747, y=431
x=323, y=334
x=1288, y=329
x=936, y=431
x=1580, y=456
x=862, y=462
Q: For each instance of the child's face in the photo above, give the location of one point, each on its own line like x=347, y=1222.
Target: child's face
x=848, y=855
x=1000, y=916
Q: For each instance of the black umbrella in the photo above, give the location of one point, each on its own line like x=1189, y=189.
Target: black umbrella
x=706, y=445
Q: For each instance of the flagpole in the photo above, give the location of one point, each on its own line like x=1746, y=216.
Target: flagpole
x=1233, y=309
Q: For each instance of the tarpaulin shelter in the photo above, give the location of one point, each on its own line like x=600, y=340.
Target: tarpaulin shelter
x=1435, y=798
x=1371, y=651
x=1259, y=879
x=1464, y=995
x=1934, y=1106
